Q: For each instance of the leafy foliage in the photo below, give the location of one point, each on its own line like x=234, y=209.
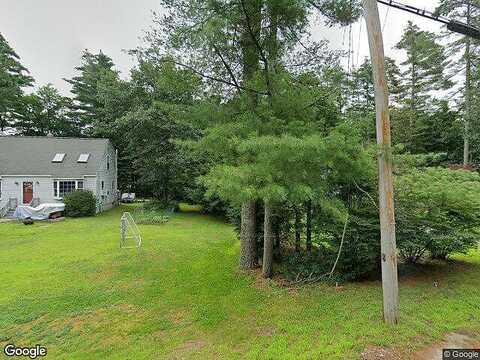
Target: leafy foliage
x=14, y=78
x=80, y=203
x=46, y=112
x=424, y=68
x=87, y=105
x=437, y=212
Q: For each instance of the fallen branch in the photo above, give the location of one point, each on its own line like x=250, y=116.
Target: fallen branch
x=341, y=246
x=310, y=279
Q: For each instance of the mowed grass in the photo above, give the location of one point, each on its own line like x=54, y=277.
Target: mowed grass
x=69, y=286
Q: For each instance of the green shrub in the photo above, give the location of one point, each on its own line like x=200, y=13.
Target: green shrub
x=80, y=203
x=360, y=257
x=437, y=212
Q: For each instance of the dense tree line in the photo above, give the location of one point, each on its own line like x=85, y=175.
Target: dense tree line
x=233, y=105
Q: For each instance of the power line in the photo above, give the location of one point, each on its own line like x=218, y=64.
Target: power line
x=359, y=42
x=452, y=25
x=385, y=20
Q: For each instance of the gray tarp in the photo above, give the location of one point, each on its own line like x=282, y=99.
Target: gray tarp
x=41, y=212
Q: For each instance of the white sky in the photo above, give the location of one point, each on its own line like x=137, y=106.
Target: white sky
x=49, y=35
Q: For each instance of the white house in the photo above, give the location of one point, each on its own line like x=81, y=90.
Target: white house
x=36, y=170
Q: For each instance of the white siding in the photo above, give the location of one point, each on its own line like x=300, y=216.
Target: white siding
x=12, y=187
x=90, y=183
x=107, y=173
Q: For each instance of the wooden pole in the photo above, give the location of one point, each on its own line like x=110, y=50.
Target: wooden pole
x=468, y=95
x=385, y=177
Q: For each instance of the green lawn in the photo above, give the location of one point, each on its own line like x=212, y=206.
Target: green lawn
x=68, y=286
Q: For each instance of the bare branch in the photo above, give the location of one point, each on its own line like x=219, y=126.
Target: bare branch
x=226, y=82
x=227, y=67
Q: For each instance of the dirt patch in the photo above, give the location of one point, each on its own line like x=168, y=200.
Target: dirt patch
x=451, y=341
x=457, y=340
x=181, y=317
x=193, y=345
x=184, y=351
x=261, y=283
x=80, y=322
x=376, y=353
x=94, y=318
x=266, y=331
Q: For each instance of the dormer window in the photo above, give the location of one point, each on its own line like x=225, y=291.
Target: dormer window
x=83, y=158
x=58, y=158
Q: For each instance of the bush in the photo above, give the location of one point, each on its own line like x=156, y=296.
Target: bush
x=80, y=203
x=360, y=255
x=437, y=212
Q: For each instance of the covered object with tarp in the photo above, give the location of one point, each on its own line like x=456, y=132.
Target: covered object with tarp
x=41, y=212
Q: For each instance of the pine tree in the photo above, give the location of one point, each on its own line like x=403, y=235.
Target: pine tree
x=468, y=12
x=31, y=119
x=238, y=47
x=14, y=78
x=87, y=105
x=424, y=69
x=363, y=94
x=46, y=112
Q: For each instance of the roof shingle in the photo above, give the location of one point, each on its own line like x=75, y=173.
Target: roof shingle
x=32, y=155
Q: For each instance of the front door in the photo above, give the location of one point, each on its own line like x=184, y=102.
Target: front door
x=27, y=192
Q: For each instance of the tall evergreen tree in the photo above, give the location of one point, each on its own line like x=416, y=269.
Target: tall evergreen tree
x=362, y=95
x=87, y=105
x=424, y=69
x=468, y=12
x=31, y=120
x=14, y=78
x=240, y=45
x=46, y=112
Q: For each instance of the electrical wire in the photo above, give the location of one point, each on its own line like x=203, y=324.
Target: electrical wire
x=385, y=20
x=359, y=41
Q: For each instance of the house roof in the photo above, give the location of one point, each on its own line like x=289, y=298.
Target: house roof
x=32, y=155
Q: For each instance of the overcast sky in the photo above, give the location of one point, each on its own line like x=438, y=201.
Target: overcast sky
x=49, y=35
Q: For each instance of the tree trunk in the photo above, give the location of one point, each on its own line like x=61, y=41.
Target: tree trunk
x=250, y=56
x=267, y=270
x=250, y=66
x=297, y=230
x=248, y=241
x=309, y=226
x=277, y=241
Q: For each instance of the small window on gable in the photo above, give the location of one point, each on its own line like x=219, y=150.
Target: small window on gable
x=83, y=158
x=58, y=158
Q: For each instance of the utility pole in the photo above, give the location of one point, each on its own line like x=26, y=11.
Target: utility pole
x=468, y=97
x=385, y=176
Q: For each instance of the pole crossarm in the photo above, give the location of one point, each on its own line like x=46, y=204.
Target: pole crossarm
x=452, y=25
